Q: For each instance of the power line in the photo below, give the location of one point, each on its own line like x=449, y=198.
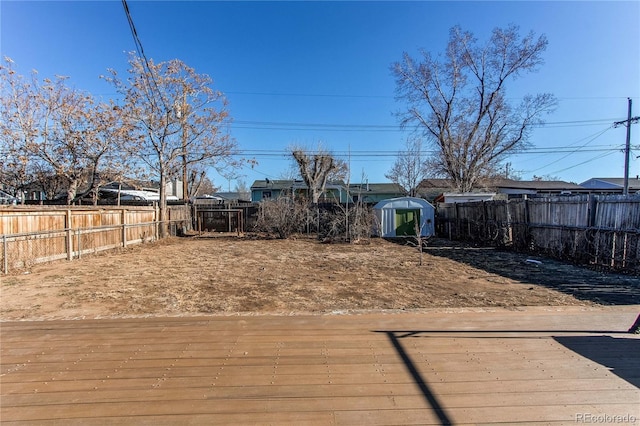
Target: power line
x=148, y=73
x=285, y=153
x=580, y=148
x=356, y=96
x=305, y=126
x=597, y=157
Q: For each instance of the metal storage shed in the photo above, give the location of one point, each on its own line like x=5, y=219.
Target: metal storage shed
x=396, y=217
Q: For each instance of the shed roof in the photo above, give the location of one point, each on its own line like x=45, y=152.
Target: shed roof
x=403, y=203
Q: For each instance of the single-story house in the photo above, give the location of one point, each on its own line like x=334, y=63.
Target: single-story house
x=611, y=185
x=233, y=196
x=269, y=188
x=432, y=189
x=465, y=197
x=369, y=193
x=497, y=189
x=398, y=217
x=536, y=188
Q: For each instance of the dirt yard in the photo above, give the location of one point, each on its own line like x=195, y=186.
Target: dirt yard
x=228, y=275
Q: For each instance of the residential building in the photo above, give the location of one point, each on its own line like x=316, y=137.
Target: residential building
x=439, y=190
x=369, y=193
x=535, y=188
x=611, y=185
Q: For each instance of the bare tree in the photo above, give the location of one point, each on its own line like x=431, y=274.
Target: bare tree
x=200, y=184
x=243, y=190
x=316, y=168
x=459, y=101
x=181, y=120
x=103, y=140
x=16, y=169
x=56, y=132
x=546, y=177
x=410, y=167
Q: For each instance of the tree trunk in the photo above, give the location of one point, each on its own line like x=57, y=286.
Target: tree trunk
x=162, y=206
x=72, y=191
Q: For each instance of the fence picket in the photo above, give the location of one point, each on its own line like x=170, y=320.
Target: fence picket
x=44, y=234
x=598, y=230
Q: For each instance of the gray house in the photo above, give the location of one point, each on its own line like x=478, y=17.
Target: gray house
x=611, y=185
x=368, y=193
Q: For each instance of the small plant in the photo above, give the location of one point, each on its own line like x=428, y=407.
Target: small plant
x=421, y=241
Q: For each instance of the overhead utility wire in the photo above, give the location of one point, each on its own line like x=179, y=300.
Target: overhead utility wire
x=338, y=95
x=274, y=125
x=580, y=148
x=597, y=157
x=148, y=73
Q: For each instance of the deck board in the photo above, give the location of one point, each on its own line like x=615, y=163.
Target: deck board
x=534, y=366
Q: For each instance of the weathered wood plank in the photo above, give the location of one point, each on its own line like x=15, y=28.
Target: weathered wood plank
x=468, y=367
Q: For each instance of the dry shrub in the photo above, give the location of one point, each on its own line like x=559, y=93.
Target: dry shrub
x=282, y=216
x=333, y=222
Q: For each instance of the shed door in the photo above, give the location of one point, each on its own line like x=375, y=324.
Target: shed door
x=406, y=220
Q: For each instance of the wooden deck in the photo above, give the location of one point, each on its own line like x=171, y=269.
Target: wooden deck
x=535, y=366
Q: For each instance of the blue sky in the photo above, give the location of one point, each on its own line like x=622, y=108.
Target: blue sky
x=303, y=72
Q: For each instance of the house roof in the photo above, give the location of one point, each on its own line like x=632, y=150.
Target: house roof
x=377, y=188
x=436, y=183
x=386, y=188
x=492, y=184
x=232, y=196
x=277, y=184
x=540, y=185
x=611, y=183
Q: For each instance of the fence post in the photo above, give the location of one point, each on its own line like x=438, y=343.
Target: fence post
x=527, y=222
x=457, y=222
x=485, y=219
x=508, y=227
x=592, y=201
x=123, y=220
x=156, y=219
x=67, y=225
x=5, y=255
x=79, y=240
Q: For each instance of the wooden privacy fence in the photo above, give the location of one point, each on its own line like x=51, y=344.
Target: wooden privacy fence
x=595, y=230
x=30, y=236
x=225, y=217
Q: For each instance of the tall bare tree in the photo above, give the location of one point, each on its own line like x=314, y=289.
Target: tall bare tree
x=19, y=118
x=181, y=120
x=316, y=168
x=459, y=101
x=57, y=133
x=410, y=167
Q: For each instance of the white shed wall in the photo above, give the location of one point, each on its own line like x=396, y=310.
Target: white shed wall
x=385, y=212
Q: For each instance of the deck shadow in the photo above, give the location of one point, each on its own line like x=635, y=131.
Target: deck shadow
x=429, y=396
x=579, y=282
x=621, y=355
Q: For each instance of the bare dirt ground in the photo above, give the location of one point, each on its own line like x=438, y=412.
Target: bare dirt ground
x=228, y=275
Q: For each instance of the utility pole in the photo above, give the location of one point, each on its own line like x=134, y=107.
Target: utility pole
x=627, y=149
